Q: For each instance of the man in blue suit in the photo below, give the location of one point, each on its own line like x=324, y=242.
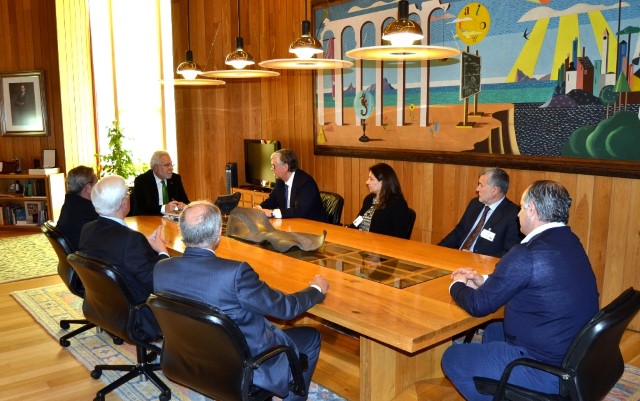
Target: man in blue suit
x=548, y=290
x=496, y=230
x=236, y=289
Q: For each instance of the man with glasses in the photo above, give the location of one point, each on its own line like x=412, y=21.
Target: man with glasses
x=134, y=256
x=77, y=209
x=159, y=190
x=296, y=193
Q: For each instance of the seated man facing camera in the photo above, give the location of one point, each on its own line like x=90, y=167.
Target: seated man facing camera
x=489, y=225
x=159, y=190
x=235, y=288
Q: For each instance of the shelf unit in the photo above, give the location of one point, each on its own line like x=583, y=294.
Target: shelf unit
x=249, y=197
x=52, y=198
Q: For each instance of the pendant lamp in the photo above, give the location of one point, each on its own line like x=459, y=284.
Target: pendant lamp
x=189, y=69
x=305, y=47
x=239, y=59
x=402, y=33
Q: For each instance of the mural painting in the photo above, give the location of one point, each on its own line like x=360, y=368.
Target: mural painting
x=557, y=78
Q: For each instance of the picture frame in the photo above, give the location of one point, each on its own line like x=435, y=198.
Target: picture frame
x=23, y=110
x=511, y=122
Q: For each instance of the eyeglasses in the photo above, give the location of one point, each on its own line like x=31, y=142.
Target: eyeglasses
x=167, y=165
x=273, y=166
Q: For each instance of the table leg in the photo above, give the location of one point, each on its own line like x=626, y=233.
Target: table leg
x=385, y=372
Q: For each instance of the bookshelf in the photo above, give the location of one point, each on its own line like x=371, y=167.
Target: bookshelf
x=24, y=195
x=250, y=197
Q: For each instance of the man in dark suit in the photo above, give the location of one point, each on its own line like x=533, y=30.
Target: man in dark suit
x=236, y=289
x=77, y=209
x=296, y=193
x=133, y=255
x=159, y=190
x=548, y=290
x=489, y=225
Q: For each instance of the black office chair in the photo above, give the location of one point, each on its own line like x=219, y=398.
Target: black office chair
x=412, y=221
x=63, y=248
x=205, y=350
x=592, y=366
x=226, y=203
x=333, y=204
x=108, y=303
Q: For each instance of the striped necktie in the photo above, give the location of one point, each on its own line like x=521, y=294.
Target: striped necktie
x=476, y=231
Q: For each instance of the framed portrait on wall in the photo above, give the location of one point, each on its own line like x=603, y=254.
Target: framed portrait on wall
x=23, y=110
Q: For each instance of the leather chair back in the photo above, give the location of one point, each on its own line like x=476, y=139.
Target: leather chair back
x=412, y=221
x=63, y=248
x=590, y=368
x=228, y=202
x=594, y=354
x=333, y=204
x=205, y=350
x=108, y=302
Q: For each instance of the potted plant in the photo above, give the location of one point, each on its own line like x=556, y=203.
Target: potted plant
x=119, y=161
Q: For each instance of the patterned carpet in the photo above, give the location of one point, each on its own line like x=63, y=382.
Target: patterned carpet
x=49, y=305
x=25, y=257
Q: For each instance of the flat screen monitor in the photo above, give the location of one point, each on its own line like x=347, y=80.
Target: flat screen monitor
x=257, y=162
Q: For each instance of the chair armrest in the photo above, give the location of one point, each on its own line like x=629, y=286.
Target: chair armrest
x=295, y=365
x=504, y=379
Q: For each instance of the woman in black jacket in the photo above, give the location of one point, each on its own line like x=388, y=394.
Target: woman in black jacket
x=384, y=210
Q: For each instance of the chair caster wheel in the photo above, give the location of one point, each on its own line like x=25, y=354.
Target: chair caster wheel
x=65, y=343
x=64, y=325
x=96, y=375
x=118, y=341
x=165, y=397
x=98, y=398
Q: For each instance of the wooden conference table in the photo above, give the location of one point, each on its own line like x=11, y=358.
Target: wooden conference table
x=403, y=332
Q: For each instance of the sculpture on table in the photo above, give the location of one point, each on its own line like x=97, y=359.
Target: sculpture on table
x=254, y=226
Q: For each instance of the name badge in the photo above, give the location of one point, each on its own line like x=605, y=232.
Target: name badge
x=488, y=235
x=357, y=221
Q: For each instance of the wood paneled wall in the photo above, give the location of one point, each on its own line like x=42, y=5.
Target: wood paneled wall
x=213, y=122
x=27, y=43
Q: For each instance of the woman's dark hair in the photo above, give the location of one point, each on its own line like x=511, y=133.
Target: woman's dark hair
x=390, y=184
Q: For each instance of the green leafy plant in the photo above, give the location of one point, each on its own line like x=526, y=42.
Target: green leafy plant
x=120, y=160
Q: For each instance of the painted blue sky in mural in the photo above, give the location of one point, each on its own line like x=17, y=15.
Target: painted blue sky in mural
x=503, y=49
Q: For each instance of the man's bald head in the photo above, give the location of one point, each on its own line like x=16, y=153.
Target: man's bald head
x=201, y=225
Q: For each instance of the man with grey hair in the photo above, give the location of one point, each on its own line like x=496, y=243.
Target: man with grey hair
x=236, y=289
x=77, y=209
x=548, y=291
x=159, y=190
x=296, y=193
x=134, y=256
x=489, y=225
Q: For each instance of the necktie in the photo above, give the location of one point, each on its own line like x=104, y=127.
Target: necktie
x=286, y=195
x=165, y=193
x=476, y=230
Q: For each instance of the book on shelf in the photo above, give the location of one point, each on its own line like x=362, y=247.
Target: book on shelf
x=44, y=171
x=34, y=187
